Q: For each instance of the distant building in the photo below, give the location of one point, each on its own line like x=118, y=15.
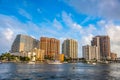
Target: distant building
x=103, y=43
x=113, y=56
x=50, y=45
x=90, y=52
x=24, y=43
x=70, y=48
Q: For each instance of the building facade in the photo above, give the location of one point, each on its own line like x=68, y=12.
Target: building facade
x=24, y=43
x=38, y=54
x=103, y=42
x=70, y=48
x=50, y=45
x=34, y=55
x=60, y=57
x=113, y=56
x=90, y=52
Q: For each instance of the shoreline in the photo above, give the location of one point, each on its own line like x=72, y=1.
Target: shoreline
x=38, y=62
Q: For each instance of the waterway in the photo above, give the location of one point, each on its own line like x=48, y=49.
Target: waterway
x=79, y=71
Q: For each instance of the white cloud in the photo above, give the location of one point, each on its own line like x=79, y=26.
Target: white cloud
x=6, y=37
x=99, y=8
x=86, y=33
x=67, y=19
x=76, y=31
x=50, y=28
x=8, y=33
x=86, y=20
x=113, y=31
x=10, y=26
x=87, y=39
x=101, y=23
x=77, y=26
x=25, y=14
x=69, y=22
x=57, y=24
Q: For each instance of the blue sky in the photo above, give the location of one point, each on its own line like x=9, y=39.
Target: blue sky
x=76, y=19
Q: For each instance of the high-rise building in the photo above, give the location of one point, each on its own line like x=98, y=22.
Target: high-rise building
x=70, y=48
x=24, y=43
x=50, y=45
x=103, y=42
x=90, y=52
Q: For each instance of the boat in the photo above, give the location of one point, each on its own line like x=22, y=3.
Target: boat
x=105, y=62
x=31, y=62
x=54, y=62
x=65, y=62
x=94, y=63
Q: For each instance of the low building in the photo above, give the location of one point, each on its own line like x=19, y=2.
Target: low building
x=34, y=55
x=113, y=56
x=61, y=57
x=39, y=54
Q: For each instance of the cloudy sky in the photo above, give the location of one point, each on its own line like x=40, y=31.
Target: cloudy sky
x=61, y=19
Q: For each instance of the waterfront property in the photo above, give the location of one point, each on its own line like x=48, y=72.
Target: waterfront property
x=51, y=46
x=90, y=53
x=24, y=43
x=113, y=56
x=99, y=49
x=34, y=55
x=70, y=48
x=103, y=43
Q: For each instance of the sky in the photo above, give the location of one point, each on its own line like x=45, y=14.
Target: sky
x=74, y=19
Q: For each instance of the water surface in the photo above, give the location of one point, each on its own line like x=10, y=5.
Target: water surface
x=79, y=71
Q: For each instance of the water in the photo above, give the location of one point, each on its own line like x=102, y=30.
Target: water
x=80, y=71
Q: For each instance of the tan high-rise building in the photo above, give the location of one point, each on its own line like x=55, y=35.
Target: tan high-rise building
x=70, y=48
x=90, y=52
x=103, y=42
x=50, y=45
x=24, y=43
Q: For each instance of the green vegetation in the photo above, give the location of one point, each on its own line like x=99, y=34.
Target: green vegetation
x=9, y=57
x=24, y=58
x=67, y=59
x=48, y=57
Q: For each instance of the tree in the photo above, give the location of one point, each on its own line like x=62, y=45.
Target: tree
x=49, y=57
x=24, y=58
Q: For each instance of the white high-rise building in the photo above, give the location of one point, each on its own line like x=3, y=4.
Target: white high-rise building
x=91, y=52
x=24, y=43
x=70, y=48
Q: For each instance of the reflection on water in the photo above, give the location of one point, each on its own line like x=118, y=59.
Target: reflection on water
x=78, y=71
